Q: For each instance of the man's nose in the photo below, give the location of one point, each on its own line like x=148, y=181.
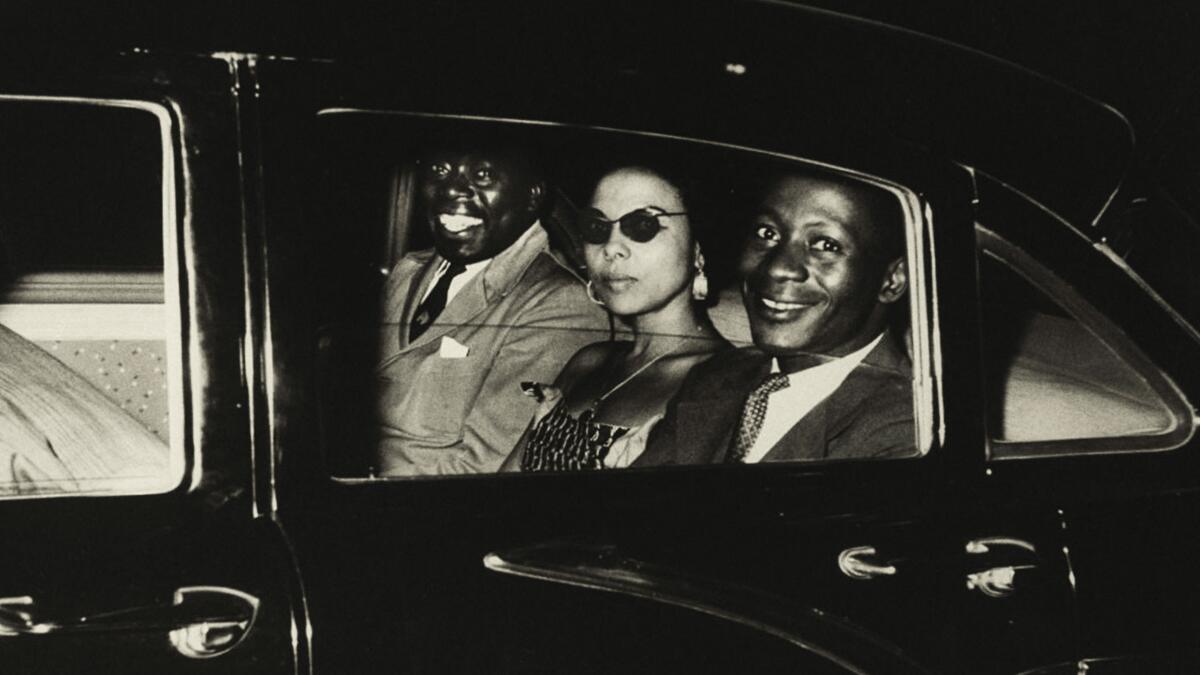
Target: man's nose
x=788, y=263
x=458, y=185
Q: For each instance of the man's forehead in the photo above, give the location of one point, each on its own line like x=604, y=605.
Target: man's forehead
x=863, y=208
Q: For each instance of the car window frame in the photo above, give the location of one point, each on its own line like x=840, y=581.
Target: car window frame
x=923, y=317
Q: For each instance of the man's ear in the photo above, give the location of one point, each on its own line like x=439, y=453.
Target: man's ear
x=537, y=197
x=895, y=281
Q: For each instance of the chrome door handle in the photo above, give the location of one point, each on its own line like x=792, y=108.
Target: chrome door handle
x=996, y=582
x=14, y=620
x=201, y=621
x=854, y=563
x=985, y=544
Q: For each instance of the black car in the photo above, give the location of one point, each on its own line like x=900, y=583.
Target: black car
x=198, y=208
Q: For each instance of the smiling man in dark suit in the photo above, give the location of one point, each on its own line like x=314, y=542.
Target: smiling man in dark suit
x=490, y=306
x=823, y=266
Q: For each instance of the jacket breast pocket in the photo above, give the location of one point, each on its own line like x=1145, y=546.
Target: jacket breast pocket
x=428, y=396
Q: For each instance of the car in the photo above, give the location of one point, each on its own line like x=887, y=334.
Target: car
x=198, y=210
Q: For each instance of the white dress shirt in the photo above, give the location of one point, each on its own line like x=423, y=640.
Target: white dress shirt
x=458, y=282
x=805, y=390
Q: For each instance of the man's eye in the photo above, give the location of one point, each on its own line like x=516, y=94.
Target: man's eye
x=484, y=176
x=765, y=232
x=826, y=245
x=439, y=169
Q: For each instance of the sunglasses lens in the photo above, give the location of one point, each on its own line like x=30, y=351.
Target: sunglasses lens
x=594, y=230
x=640, y=227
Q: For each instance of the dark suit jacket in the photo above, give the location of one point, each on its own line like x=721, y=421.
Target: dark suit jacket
x=869, y=415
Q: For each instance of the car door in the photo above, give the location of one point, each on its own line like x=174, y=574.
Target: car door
x=138, y=541
x=871, y=559
x=1103, y=440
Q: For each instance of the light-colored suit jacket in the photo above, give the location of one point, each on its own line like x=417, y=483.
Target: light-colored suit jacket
x=450, y=402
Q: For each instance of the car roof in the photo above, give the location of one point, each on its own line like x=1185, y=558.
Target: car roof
x=671, y=67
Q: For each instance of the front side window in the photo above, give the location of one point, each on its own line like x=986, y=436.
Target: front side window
x=1061, y=378
x=558, y=299
x=89, y=365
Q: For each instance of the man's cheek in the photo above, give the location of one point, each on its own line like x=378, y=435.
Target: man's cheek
x=748, y=264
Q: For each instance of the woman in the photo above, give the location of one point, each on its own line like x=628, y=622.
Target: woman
x=645, y=266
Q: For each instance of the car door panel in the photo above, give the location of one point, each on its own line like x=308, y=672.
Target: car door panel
x=429, y=587
x=100, y=583
x=1124, y=503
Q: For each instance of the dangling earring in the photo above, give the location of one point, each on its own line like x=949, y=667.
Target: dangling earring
x=592, y=294
x=700, y=280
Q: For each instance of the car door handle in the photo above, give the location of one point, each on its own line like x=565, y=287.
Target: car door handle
x=997, y=582
x=986, y=544
x=856, y=563
x=202, y=621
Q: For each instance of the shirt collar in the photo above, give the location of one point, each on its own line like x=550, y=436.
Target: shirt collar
x=470, y=269
x=503, y=270
x=848, y=362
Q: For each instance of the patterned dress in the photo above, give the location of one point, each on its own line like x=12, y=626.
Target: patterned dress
x=560, y=442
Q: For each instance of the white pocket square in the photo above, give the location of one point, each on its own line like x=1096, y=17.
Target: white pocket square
x=452, y=349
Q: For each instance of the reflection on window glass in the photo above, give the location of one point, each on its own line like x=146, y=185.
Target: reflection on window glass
x=85, y=359
x=1050, y=378
x=556, y=299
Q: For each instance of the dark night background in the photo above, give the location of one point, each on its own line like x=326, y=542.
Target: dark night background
x=1126, y=52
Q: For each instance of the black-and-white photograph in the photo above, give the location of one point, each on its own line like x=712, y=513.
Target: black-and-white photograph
x=472, y=336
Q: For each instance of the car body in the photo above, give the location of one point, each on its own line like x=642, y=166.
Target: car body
x=989, y=553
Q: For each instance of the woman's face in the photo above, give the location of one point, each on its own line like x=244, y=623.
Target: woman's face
x=633, y=277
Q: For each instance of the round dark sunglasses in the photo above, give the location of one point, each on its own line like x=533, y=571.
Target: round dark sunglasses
x=641, y=225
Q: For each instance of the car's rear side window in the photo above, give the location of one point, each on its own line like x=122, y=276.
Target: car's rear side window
x=1061, y=378
x=90, y=377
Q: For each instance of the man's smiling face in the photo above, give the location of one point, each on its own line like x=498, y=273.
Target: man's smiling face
x=816, y=278
x=477, y=204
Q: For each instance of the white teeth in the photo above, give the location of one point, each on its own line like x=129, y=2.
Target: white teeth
x=774, y=304
x=457, y=223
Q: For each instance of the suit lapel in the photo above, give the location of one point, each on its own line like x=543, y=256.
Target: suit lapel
x=707, y=427
x=708, y=423
x=422, y=280
x=497, y=279
x=467, y=303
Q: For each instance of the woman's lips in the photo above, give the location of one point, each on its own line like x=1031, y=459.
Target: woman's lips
x=617, y=284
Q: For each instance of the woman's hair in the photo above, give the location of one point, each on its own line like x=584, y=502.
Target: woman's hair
x=684, y=181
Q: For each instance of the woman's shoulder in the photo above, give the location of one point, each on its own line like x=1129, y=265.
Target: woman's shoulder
x=589, y=358
x=699, y=351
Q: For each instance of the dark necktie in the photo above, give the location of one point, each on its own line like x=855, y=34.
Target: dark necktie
x=434, y=303
x=753, y=414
